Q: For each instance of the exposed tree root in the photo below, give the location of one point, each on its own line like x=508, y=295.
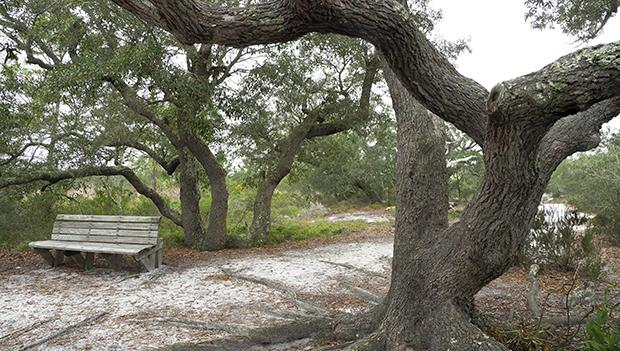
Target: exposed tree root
x=361, y=270
x=195, y=324
x=26, y=329
x=281, y=288
x=314, y=327
x=363, y=294
x=63, y=331
x=337, y=327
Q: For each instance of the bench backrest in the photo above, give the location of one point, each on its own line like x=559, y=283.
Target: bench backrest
x=107, y=229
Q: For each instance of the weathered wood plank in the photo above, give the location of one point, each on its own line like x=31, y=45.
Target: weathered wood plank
x=127, y=249
x=102, y=218
x=107, y=225
x=113, y=232
x=105, y=239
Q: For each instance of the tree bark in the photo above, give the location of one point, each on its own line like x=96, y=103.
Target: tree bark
x=193, y=228
x=261, y=217
x=216, y=234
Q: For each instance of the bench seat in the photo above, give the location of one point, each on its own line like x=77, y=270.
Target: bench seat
x=108, y=236
x=120, y=249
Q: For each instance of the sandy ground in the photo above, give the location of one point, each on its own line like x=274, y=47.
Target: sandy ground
x=150, y=310
x=199, y=296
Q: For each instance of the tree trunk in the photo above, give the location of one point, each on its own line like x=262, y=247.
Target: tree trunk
x=261, y=219
x=216, y=235
x=193, y=228
x=216, y=230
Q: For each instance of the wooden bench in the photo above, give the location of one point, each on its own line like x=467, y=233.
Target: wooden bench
x=108, y=236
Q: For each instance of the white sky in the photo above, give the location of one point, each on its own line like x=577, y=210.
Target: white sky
x=503, y=44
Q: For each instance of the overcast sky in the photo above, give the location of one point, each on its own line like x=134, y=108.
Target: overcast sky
x=503, y=45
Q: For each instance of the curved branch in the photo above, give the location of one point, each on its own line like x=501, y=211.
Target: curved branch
x=363, y=113
x=169, y=166
x=137, y=105
x=426, y=73
x=192, y=21
x=569, y=85
x=580, y=132
x=127, y=173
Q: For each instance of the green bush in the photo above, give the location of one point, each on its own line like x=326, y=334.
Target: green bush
x=555, y=243
x=591, y=183
x=603, y=332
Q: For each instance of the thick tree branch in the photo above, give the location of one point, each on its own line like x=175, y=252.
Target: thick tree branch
x=580, y=132
x=57, y=176
x=169, y=165
x=567, y=86
x=386, y=24
x=137, y=105
x=202, y=22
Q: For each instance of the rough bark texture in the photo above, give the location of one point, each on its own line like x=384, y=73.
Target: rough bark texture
x=526, y=126
x=193, y=228
x=216, y=234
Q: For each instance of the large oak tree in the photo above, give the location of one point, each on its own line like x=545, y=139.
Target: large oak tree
x=525, y=126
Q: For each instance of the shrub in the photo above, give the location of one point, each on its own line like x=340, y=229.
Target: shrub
x=591, y=183
x=603, y=332
x=558, y=241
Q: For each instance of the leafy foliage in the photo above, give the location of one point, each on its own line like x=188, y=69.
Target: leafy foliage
x=591, y=183
x=557, y=242
x=582, y=19
x=603, y=332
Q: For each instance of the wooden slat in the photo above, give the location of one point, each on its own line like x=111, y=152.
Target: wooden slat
x=112, y=232
x=126, y=249
x=105, y=239
x=107, y=225
x=96, y=218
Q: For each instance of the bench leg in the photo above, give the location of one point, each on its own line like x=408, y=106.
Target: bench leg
x=158, y=258
x=149, y=261
x=89, y=260
x=115, y=261
x=59, y=258
x=76, y=257
x=45, y=253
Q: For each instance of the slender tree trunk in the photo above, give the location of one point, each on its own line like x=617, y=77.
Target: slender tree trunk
x=421, y=212
x=218, y=215
x=372, y=195
x=193, y=228
x=261, y=219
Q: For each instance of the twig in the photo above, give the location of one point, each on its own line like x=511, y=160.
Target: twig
x=349, y=266
x=64, y=331
x=26, y=329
